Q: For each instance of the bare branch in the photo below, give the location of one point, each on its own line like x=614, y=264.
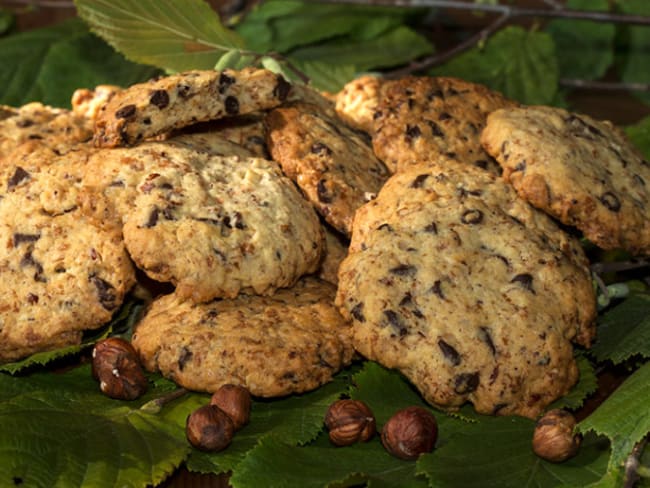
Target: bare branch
x=605, y=85
x=632, y=464
x=63, y=4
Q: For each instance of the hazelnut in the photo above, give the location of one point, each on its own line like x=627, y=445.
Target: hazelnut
x=554, y=438
x=235, y=400
x=117, y=368
x=349, y=421
x=209, y=428
x=410, y=432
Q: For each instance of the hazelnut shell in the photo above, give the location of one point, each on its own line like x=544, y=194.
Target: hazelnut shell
x=349, y=421
x=116, y=366
x=554, y=438
x=236, y=401
x=209, y=428
x=410, y=432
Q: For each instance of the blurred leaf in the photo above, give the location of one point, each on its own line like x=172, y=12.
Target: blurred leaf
x=587, y=384
x=639, y=134
x=636, y=58
x=6, y=21
x=325, y=76
x=585, y=50
x=520, y=64
x=177, y=36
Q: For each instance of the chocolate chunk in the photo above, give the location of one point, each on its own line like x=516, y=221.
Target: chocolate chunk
x=224, y=82
x=183, y=91
x=578, y=123
x=153, y=218
x=449, y=353
x=412, y=132
x=159, y=98
x=436, y=131
x=485, y=336
x=386, y=227
x=436, y=289
x=471, y=217
x=105, y=292
x=321, y=149
x=610, y=201
x=404, y=270
x=521, y=166
x=419, y=180
x=435, y=94
x=24, y=123
x=466, y=383
x=395, y=322
x=357, y=312
x=125, y=112
x=28, y=261
x=232, y=105
x=282, y=89
x=22, y=238
x=323, y=193
x=431, y=228
x=444, y=116
x=525, y=280
x=638, y=179
x=32, y=299
x=184, y=356
x=18, y=177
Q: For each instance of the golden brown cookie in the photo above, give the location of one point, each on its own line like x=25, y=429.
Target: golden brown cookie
x=357, y=102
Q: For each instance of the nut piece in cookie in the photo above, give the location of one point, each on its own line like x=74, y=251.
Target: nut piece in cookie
x=582, y=171
x=466, y=289
x=88, y=103
x=420, y=119
x=332, y=164
x=356, y=103
x=156, y=107
x=291, y=342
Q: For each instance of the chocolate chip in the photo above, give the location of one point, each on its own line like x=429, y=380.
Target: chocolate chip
x=18, y=177
x=431, y=228
x=610, y=201
x=412, y=132
x=449, y=353
x=153, y=218
x=105, y=292
x=481, y=163
x=159, y=98
x=404, y=270
x=578, y=123
x=471, y=217
x=125, y=112
x=521, y=166
x=22, y=238
x=23, y=123
x=282, y=89
x=525, y=280
x=357, y=312
x=638, y=179
x=28, y=261
x=184, y=356
x=436, y=289
x=419, y=180
x=435, y=94
x=485, y=336
x=436, y=131
x=321, y=149
x=323, y=193
x=224, y=82
x=395, y=322
x=444, y=116
x=232, y=105
x=183, y=90
x=466, y=383
x=386, y=227
x=32, y=299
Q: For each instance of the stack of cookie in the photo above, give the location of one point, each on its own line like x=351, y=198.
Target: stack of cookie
x=296, y=229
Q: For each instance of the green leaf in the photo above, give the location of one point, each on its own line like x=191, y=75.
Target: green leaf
x=520, y=64
x=623, y=417
x=58, y=430
x=585, y=50
x=395, y=47
x=48, y=64
x=323, y=76
x=497, y=452
x=6, y=21
x=296, y=419
x=635, y=62
x=121, y=324
x=639, y=134
x=179, y=35
x=624, y=331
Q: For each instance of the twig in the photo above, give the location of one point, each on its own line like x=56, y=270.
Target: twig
x=154, y=406
x=632, y=463
x=613, y=267
x=67, y=4
x=605, y=85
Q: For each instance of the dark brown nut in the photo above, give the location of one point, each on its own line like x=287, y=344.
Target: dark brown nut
x=117, y=368
x=209, y=428
x=236, y=401
x=410, y=432
x=349, y=421
x=554, y=438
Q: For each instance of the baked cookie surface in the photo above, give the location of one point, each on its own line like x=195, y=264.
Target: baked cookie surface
x=421, y=118
x=582, y=171
x=466, y=289
x=61, y=272
x=158, y=106
x=212, y=225
x=291, y=342
x=357, y=102
x=332, y=164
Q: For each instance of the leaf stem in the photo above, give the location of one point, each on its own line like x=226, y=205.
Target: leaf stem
x=633, y=463
x=606, y=267
x=154, y=406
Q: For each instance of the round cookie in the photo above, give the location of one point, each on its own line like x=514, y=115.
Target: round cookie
x=158, y=106
x=61, y=272
x=582, y=171
x=214, y=226
x=421, y=118
x=466, y=289
x=291, y=342
x=332, y=164
x=356, y=103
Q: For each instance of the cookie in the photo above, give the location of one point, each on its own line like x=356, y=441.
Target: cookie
x=423, y=118
x=582, y=171
x=55, y=127
x=214, y=226
x=61, y=273
x=471, y=293
x=357, y=102
x=88, y=103
x=291, y=342
x=336, y=248
x=147, y=109
x=332, y=164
